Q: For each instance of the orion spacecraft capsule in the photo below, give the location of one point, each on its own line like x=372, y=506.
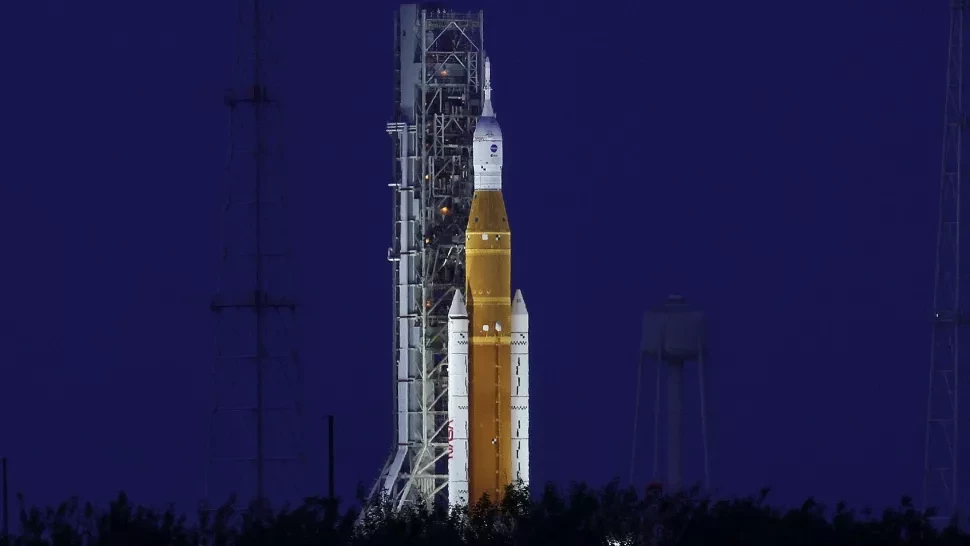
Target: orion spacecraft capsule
x=488, y=339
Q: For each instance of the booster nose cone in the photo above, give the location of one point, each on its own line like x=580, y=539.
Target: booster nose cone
x=518, y=304
x=458, y=309
x=520, y=314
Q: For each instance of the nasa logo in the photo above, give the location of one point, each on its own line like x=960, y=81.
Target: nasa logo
x=494, y=148
x=451, y=439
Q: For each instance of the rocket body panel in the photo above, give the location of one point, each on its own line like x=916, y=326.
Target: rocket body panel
x=458, y=343
x=487, y=153
x=488, y=285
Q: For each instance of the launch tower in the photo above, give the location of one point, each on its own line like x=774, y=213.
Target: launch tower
x=255, y=441
x=437, y=100
x=945, y=465
x=673, y=335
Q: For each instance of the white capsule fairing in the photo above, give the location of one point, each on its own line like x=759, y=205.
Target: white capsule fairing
x=458, y=401
x=520, y=388
x=487, y=141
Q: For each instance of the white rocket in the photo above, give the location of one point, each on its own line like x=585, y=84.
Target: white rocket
x=472, y=355
x=520, y=388
x=458, y=401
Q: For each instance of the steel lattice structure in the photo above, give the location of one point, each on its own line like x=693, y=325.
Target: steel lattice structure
x=255, y=436
x=438, y=56
x=945, y=463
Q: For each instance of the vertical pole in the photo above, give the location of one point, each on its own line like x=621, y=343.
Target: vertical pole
x=636, y=418
x=258, y=300
x=704, y=436
x=330, y=456
x=961, y=120
x=675, y=410
x=6, y=499
x=656, y=423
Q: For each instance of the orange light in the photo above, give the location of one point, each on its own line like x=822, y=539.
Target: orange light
x=427, y=304
x=427, y=240
x=444, y=72
x=445, y=211
x=427, y=177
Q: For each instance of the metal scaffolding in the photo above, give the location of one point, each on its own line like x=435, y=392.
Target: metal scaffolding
x=945, y=465
x=437, y=104
x=255, y=430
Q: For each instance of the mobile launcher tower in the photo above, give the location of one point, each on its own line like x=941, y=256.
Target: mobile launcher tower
x=438, y=88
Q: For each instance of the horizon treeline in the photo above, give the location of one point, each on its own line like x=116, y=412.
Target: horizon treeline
x=578, y=515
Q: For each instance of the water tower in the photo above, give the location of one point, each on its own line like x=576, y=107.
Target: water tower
x=674, y=335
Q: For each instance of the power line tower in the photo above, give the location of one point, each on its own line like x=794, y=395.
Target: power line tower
x=438, y=55
x=255, y=435
x=945, y=465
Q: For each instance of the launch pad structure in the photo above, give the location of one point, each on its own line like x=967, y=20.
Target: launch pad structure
x=438, y=56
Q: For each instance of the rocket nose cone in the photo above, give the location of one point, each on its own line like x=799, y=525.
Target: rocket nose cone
x=488, y=128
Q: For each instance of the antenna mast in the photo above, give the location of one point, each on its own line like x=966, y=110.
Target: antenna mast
x=943, y=464
x=255, y=435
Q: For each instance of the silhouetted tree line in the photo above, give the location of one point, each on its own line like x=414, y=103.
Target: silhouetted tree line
x=611, y=516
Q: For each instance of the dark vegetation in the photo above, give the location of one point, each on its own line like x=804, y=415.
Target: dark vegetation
x=579, y=516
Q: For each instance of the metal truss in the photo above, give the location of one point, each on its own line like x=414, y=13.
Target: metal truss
x=255, y=446
x=945, y=464
x=437, y=104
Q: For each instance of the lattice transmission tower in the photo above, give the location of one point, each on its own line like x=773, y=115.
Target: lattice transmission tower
x=255, y=436
x=438, y=55
x=946, y=463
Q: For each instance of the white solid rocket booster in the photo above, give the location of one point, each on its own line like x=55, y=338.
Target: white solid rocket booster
x=520, y=388
x=458, y=401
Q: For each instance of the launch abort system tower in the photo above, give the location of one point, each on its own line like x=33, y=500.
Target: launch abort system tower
x=255, y=435
x=438, y=70
x=673, y=335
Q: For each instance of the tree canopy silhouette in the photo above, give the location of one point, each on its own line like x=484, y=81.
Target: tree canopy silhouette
x=578, y=515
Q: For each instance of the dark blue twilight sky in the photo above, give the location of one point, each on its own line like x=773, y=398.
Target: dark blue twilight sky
x=778, y=164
